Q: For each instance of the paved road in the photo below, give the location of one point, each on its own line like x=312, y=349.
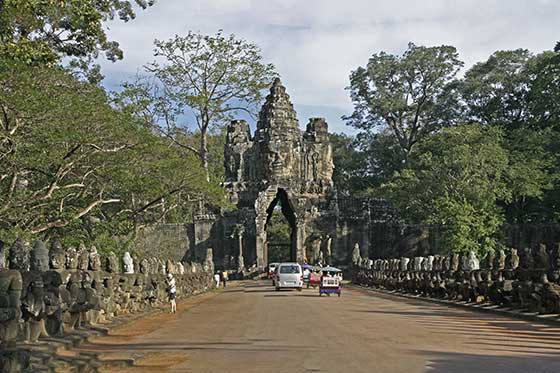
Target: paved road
x=252, y=328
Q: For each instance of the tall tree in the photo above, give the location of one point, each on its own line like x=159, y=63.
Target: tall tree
x=72, y=163
x=496, y=91
x=404, y=93
x=43, y=31
x=455, y=180
x=209, y=78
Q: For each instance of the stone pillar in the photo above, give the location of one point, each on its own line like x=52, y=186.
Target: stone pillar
x=299, y=241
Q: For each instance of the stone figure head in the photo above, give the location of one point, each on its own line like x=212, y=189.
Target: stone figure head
x=542, y=258
x=94, y=259
x=490, y=258
x=528, y=260
x=128, y=263
x=39, y=257
x=180, y=268
x=57, y=256
x=500, y=261
x=170, y=266
x=83, y=257
x=112, y=263
x=473, y=263
x=145, y=266
x=71, y=258
x=455, y=262
x=19, y=255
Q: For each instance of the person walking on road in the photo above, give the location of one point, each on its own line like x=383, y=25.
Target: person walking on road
x=172, y=292
x=217, y=279
x=224, y=278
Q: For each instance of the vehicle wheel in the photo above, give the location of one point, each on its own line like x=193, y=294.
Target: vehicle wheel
x=298, y=289
x=277, y=289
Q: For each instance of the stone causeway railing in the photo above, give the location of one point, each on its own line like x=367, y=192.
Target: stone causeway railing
x=52, y=293
x=529, y=282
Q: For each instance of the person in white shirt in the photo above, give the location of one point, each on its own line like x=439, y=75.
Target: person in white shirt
x=172, y=292
x=217, y=279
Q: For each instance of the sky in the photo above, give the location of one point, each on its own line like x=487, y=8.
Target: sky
x=315, y=44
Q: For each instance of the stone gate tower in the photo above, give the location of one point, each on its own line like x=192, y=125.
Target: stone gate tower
x=280, y=164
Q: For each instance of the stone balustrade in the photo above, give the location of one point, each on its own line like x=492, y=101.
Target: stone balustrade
x=529, y=282
x=49, y=292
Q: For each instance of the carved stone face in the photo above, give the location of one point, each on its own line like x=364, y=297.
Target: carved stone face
x=112, y=263
x=83, y=258
x=19, y=255
x=71, y=258
x=94, y=259
x=57, y=256
x=39, y=257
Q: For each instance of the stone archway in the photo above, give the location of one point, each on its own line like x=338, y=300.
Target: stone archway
x=280, y=164
x=287, y=209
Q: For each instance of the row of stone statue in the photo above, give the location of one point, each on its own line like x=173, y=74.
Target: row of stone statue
x=530, y=282
x=541, y=259
x=45, y=292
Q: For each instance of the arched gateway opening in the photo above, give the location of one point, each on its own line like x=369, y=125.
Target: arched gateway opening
x=280, y=246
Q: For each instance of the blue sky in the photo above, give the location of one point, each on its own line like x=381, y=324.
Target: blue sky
x=316, y=43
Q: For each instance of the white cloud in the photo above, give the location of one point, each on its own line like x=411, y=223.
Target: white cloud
x=316, y=43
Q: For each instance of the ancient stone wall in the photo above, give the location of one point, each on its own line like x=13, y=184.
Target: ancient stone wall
x=170, y=241
x=51, y=292
x=528, y=281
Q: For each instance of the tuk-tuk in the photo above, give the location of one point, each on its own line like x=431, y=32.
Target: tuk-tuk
x=330, y=281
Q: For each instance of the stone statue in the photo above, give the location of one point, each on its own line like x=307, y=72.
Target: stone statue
x=71, y=259
x=490, y=259
x=430, y=263
x=180, y=268
x=128, y=263
x=500, y=261
x=11, y=284
x=527, y=261
x=18, y=255
x=404, y=264
x=424, y=264
x=112, y=263
x=57, y=256
x=356, y=254
x=83, y=258
x=209, y=261
x=512, y=260
x=417, y=266
x=455, y=262
x=145, y=266
x=542, y=259
x=329, y=249
x=39, y=257
x=446, y=264
x=34, y=309
x=316, y=250
x=464, y=259
x=473, y=264
x=94, y=259
x=321, y=259
x=170, y=266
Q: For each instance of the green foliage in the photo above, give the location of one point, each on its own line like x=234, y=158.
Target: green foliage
x=406, y=94
x=42, y=31
x=455, y=180
x=210, y=78
x=74, y=166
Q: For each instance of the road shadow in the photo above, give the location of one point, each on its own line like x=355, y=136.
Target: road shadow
x=469, y=363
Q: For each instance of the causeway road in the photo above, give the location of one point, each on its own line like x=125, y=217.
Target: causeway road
x=253, y=328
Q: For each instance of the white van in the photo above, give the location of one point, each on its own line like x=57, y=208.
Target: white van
x=289, y=276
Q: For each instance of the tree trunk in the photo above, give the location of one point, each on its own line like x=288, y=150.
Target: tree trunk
x=204, y=152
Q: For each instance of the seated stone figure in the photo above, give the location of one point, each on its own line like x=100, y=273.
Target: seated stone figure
x=19, y=255
x=94, y=259
x=10, y=306
x=33, y=298
x=550, y=295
